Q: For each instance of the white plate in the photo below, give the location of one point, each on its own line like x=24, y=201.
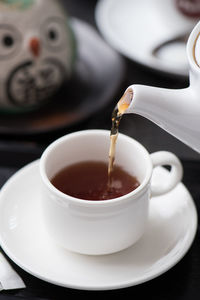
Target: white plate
x=135, y=28
x=171, y=230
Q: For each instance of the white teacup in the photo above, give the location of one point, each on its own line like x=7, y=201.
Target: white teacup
x=105, y=226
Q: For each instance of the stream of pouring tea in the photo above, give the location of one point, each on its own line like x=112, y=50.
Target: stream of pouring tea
x=119, y=110
x=116, y=117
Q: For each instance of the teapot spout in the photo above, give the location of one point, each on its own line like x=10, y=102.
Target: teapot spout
x=176, y=111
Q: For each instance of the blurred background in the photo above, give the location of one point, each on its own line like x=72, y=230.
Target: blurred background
x=117, y=43
x=102, y=72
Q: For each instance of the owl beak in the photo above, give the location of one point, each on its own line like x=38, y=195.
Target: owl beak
x=35, y=46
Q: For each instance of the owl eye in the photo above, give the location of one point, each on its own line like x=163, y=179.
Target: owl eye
x=54, y=33
x=9, y=41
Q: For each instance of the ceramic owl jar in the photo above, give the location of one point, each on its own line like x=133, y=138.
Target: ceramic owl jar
x=36, y=52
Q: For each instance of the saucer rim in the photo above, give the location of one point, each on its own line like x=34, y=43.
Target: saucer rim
x=124, y=284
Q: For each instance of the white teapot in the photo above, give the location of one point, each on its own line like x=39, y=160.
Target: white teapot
x=176, y=111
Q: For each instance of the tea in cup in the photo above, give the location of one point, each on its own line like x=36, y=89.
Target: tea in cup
x=100, y=225
x=90, y=181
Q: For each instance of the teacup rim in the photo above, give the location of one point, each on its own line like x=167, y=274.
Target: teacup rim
x=83, y=202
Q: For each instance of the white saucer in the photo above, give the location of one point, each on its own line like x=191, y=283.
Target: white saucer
x=135, y=28
x=171, y=230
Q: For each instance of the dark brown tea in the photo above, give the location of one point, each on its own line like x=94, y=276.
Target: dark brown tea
x=89, y=181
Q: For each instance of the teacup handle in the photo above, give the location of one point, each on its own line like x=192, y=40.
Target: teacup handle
x=165, y=158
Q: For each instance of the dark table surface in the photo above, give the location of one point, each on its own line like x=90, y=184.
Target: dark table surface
x=183, y=280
